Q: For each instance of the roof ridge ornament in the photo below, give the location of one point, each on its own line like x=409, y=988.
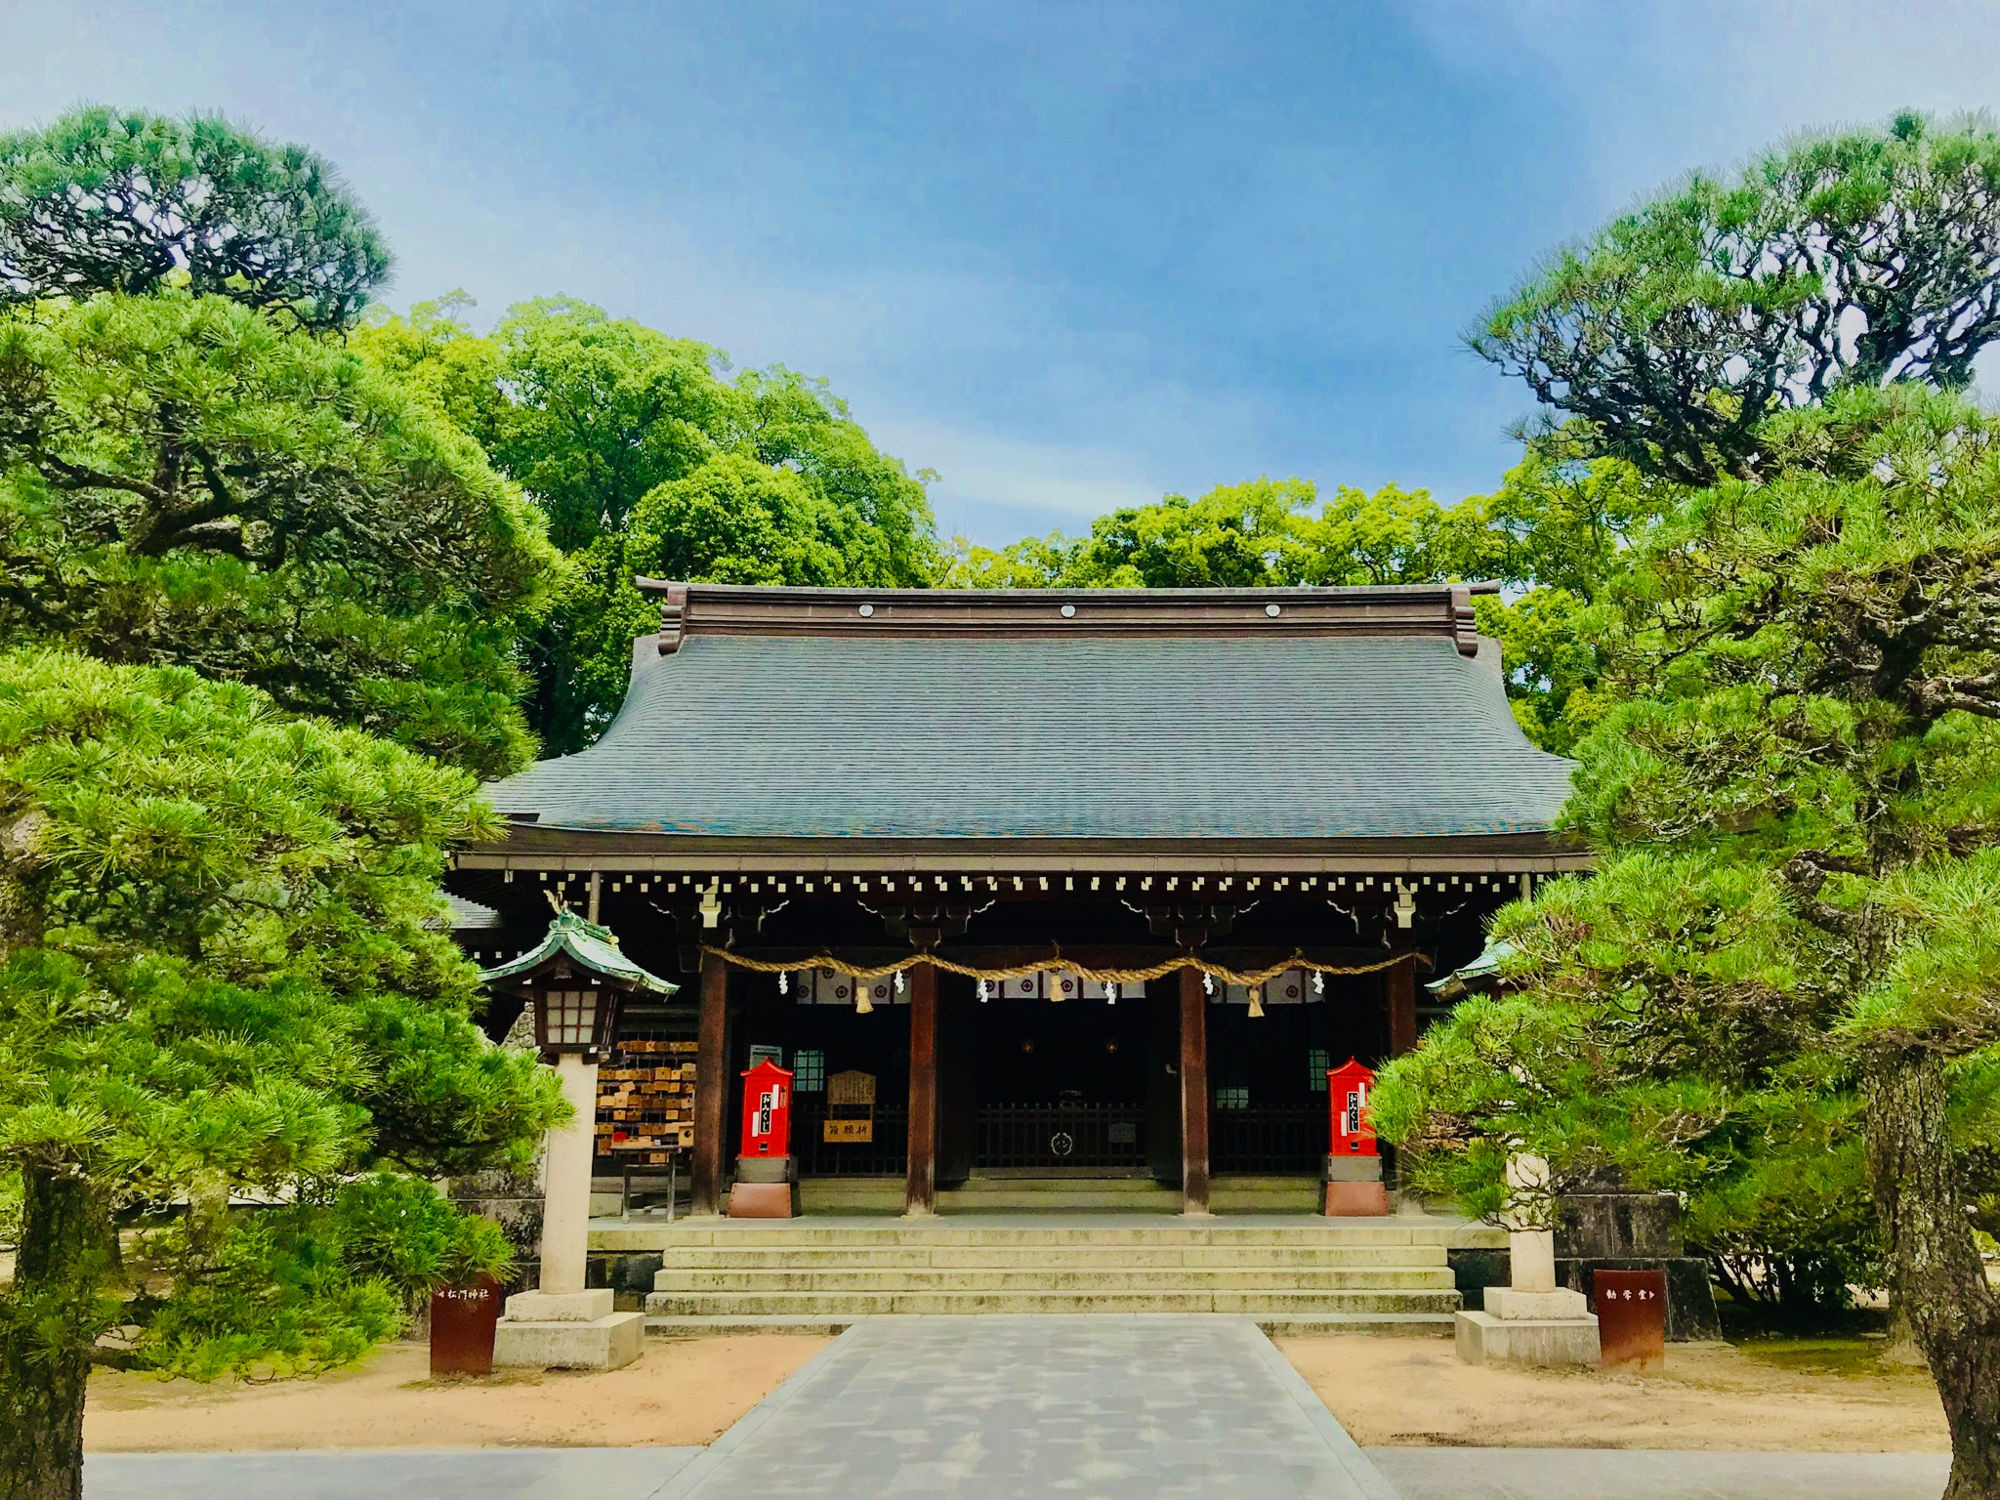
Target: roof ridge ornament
x=673, y=610
x=1420, y=609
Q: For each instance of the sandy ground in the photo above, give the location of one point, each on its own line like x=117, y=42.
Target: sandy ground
x=1826, y=1396
x=1832, y=1396
x=682, y=1391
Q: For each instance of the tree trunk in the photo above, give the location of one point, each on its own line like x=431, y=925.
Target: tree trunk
x=1934, y=1267
x=48, y=1321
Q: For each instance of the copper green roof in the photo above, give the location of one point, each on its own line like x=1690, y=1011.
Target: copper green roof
x=1474, y=975
x=590, y=946
x=834, y=714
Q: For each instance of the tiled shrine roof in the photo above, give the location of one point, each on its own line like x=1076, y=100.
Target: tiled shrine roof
x=1119, y=714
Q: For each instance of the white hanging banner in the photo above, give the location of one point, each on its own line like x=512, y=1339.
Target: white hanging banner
x=1134, y=989
x=1288, y=988
x=1022, y=987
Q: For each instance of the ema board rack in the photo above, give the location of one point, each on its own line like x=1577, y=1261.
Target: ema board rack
x=645, y=1100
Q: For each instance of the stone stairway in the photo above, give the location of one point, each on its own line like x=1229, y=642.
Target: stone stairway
x=1288, y=1275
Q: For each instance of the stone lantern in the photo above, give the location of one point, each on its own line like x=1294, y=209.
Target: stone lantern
x=573, y=980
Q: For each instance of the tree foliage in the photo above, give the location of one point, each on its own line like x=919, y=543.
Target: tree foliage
x=182, y=480
x=1553, y=533
x=1789, y=950
x=1857, y=258
x=105, y=202
x=647, y=459
x=224, y=981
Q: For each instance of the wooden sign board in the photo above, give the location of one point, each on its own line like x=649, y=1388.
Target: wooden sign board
x=851, y=1088
x=1632, y=1318
x=850, y=1104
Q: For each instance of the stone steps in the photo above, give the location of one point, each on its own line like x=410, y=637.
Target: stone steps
x=1414, y=1325
x=1440, y=1303
x=747, y=1234
x=1047, y=1257
x=1304, y=1273
x=1291, y=1279
x=1026, y=1193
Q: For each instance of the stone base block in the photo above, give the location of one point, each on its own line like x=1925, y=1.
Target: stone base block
x=1354, y=1200
x=608, y=1343
x=1350, y=1169
x=1486, y=1340
x=560, y=1307
x=1507, y=1302
x=767, y=1169
x=763, y=1200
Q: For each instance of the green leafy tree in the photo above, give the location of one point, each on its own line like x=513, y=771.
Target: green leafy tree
x=1797, y=801
x=181, y=480
x=105, y=202
x=599, y=411
x=647, y=460
x=1858, y=258
x=224, y=982
x=1553, y=533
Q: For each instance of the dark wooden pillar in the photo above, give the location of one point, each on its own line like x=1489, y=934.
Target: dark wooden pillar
x=920, y=1181
x=1402, y=991
x=711, y=1086
x=1194, y=1093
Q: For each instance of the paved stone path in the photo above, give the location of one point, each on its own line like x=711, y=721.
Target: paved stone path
x=424, y=1474
x=1592, y=1473
x=988, y=1407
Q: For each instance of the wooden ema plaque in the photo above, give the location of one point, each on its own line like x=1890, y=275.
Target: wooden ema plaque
x=1632, y=1318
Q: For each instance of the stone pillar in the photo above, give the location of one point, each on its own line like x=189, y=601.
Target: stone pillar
x=711, y=1088
x=1401, y=983
x=566, y=1179
x=1531, y=1243
x=1531, y=1321
x=562, y=1325
x=1194, y=1093
x=920, y=1179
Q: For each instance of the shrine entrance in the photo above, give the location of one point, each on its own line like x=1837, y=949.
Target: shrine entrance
x=1063, y=1086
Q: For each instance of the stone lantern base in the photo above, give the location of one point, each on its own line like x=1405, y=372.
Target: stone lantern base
x=567, y=1331
x=1528, y=1328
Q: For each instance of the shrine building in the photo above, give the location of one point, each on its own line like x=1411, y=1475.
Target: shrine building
x=1026, y=886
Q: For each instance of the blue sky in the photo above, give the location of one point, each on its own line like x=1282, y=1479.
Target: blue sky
x=1069, y=256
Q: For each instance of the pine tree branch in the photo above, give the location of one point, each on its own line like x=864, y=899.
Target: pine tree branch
x=1804, y=874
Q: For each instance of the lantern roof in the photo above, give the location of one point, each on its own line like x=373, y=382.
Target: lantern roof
x=1477, y=975
x=588, y=946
